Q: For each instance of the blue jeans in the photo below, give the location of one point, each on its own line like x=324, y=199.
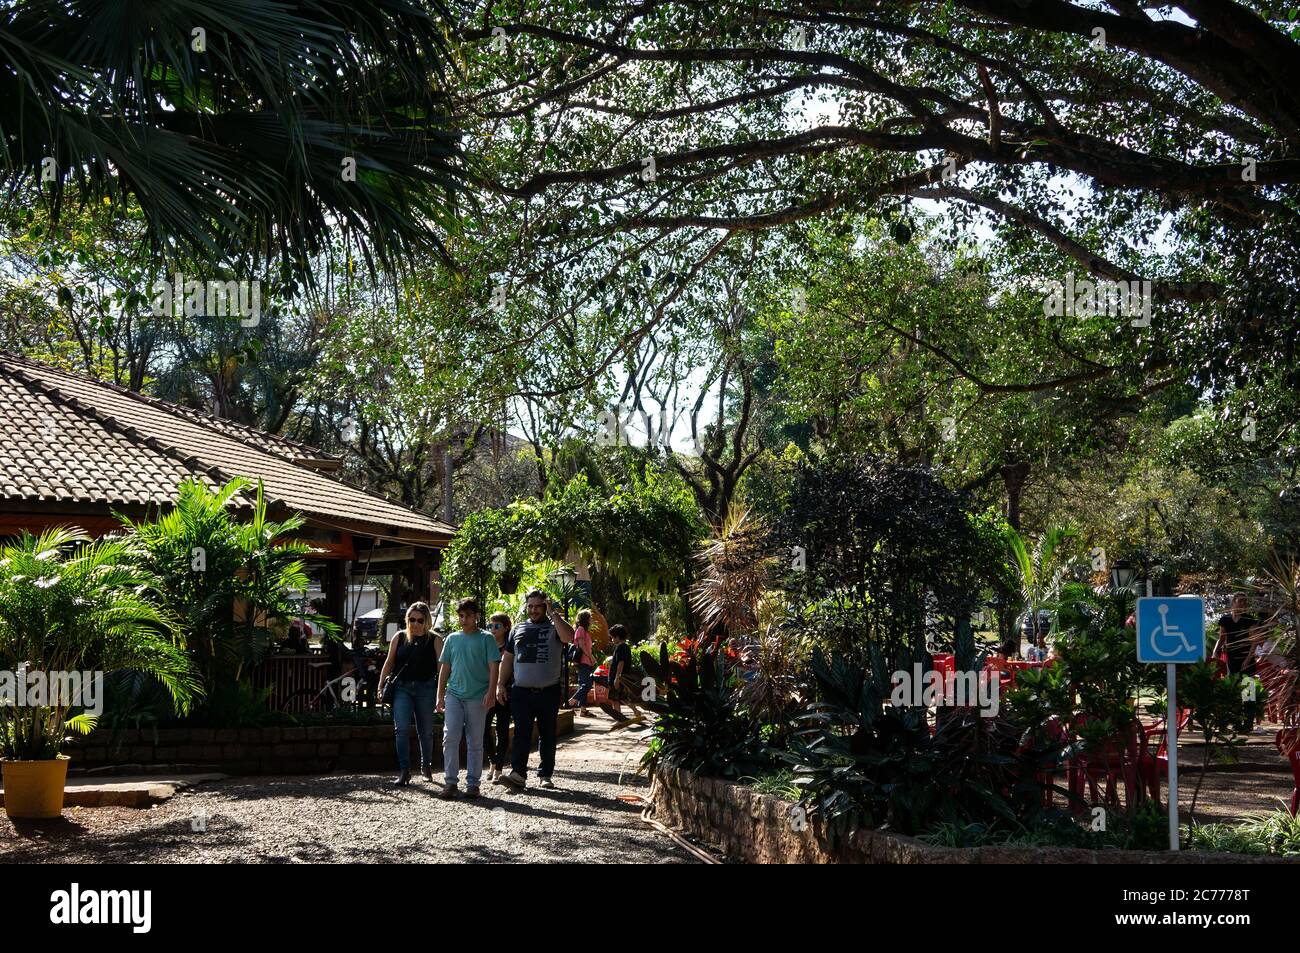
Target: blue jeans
x=529, y=707
x=414, y=698
x=464, y=717
x=584, y=683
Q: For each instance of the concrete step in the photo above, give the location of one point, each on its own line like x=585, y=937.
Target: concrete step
x=126, y=792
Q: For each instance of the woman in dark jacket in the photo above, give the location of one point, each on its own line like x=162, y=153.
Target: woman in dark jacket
x=497, y=742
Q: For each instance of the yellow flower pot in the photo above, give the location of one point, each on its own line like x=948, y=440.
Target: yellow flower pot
x=33, y=790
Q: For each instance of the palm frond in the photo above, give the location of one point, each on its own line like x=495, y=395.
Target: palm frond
x=234, y=153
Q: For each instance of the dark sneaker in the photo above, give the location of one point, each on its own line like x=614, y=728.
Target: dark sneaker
x=471, y=792
x=546, y=783
x=403, y=780
x=449, y=792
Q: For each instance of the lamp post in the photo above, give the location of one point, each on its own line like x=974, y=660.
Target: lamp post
x=1122, y=575
x=567, y=579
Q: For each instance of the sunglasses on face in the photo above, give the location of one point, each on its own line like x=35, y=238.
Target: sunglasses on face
x=496, y=625
x=414, y=621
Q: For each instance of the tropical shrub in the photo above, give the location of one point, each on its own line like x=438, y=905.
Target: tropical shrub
x=1224, y=710
x=701, y=726
x=881, y=553
x=1089, y=697
x=862, y=762
x=736, y=566
x=1038, y=567
x=72, y=604
x=224, y=579
x=1279, y=589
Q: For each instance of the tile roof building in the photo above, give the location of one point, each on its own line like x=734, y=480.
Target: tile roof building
x=76, y=451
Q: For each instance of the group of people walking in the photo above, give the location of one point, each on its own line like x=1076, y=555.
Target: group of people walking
x=485, y=681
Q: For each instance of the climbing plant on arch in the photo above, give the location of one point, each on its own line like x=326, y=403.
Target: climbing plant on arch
x=642, y=534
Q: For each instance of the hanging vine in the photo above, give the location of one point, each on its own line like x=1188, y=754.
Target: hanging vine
x=642, y=534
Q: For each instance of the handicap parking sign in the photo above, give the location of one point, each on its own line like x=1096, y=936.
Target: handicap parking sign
x=1171, y=630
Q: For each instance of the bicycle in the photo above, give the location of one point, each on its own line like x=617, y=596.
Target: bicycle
x=343, y=693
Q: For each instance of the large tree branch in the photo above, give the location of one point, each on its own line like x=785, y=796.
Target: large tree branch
x=1181, y=290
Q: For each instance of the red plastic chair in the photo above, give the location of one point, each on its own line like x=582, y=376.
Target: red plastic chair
x=1286, y=739
x=1015, y=666
x=1006, y=676
x=1117, y=762
x=1154, y=765
x=944, y=663
x=1047, y=778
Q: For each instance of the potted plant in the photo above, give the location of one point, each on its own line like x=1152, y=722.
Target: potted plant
x=70, y=608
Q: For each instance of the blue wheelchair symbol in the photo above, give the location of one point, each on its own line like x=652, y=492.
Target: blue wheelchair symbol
x=1171, y=630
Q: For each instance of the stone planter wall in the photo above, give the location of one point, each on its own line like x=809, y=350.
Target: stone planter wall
x=305, y=750
x=757, y=828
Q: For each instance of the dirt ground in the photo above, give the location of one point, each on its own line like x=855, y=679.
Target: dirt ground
x=1255, y=777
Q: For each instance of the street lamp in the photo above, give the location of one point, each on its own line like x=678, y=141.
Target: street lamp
x=567, y=579
x=1122, y=575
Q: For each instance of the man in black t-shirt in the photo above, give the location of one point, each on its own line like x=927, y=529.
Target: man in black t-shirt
x=1234, y=637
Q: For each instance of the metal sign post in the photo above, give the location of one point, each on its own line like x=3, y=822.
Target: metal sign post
x=1171, y=632
x=1171, y=722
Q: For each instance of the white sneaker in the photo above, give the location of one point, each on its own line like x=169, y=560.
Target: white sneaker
x=546, y=783
x=512, y=779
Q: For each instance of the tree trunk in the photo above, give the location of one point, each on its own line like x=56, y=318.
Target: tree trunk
x=1014, y=476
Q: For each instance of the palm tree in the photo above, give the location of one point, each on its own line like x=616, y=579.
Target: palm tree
x=204, y=562
x=230, y=125
x=737, y=567
x=72, y=605
x=1279, y=588
x=1034, y=569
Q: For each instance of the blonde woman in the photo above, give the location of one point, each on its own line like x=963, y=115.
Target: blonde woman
x=413, y=663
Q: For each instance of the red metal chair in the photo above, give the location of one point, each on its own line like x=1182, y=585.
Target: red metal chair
x=1154, y=765
x=1294, y=758
x=1289, y=744
x=944, y=663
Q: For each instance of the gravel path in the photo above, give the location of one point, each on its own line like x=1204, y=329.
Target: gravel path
x=360, y=818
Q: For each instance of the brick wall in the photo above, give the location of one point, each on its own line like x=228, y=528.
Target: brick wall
x=304, y=750
x=758, y=828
